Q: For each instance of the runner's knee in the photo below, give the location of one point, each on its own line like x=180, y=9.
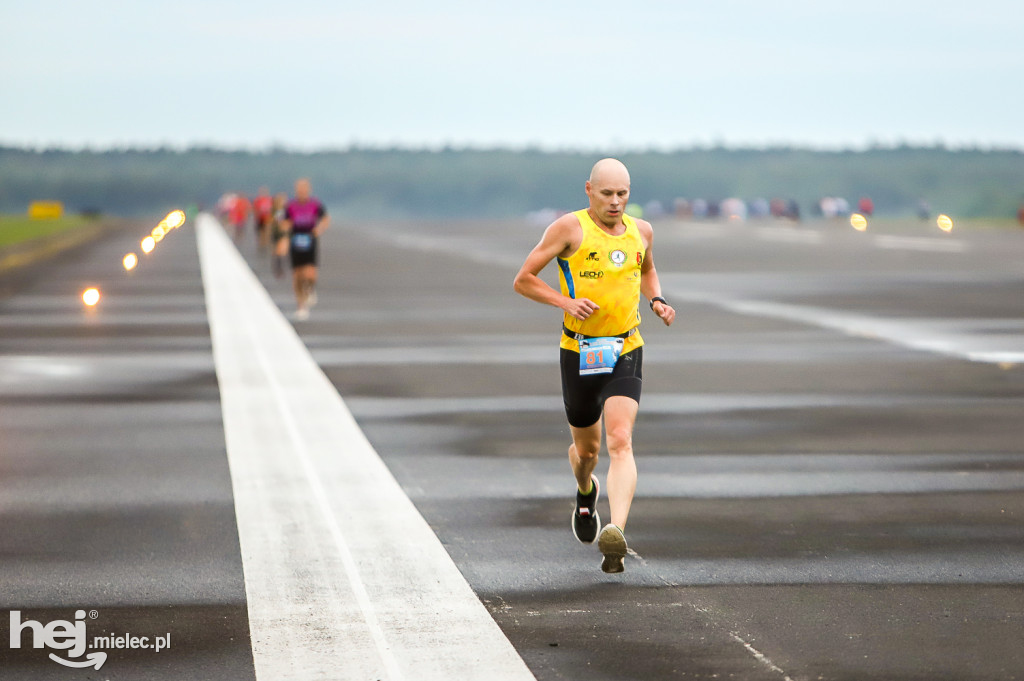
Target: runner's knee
x=587, y=448
x=620, y=441
x=590, y=451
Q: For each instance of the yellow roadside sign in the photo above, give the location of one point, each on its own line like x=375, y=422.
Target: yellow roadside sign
x=45, y=210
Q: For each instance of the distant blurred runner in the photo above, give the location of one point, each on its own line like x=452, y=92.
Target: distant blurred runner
x=793, y=210
x=238, y=213
x=278, y=237
x=924, y=210
x=224, y=204
x=263, y=213
x=305, y=220
x=605, y=263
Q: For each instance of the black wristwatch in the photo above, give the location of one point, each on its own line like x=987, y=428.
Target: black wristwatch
x=658, y=299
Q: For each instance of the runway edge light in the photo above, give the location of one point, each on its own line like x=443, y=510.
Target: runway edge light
x=175, y=219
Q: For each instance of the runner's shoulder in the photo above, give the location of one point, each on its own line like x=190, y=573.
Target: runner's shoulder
x=645, y=229
x=644, y=226
x=567, y=231
x=566, y=221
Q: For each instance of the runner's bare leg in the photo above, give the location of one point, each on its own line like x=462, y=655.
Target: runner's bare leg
x=619, y=418
x=586, y=445
x=299, y=285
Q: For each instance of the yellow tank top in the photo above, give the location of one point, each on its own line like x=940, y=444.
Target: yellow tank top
x=605, y=269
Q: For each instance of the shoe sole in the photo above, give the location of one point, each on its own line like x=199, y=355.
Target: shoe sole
x=612, y=545
x=597, y=518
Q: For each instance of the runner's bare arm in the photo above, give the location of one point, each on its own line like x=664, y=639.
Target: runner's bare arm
x=650, y=285
x=561, y=238
x=322, y=225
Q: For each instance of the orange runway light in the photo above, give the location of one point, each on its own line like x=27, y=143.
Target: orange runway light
x=175, y=219
x=91, y=296
x=148, y=244
x=859, y=222
x=945, y=223
x=130, y=261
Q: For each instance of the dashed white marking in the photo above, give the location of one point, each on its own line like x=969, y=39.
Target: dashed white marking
x=16, y=369
x=392, y=408
x=759, y=656
x=919, y=243
x=788, y=235
x=344, y=578
x=692, y=231
x=439, y=354
x=917, y=334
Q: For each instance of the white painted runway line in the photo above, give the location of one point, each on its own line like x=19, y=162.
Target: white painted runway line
x=793, y=235
x=344, y=578
x=760, y=657
x=920, y=243
x=935, y=336
x=678, y=404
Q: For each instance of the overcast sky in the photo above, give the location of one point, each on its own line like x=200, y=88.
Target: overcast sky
x=585, y=75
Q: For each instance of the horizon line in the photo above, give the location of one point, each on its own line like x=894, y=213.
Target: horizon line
x=450, y=147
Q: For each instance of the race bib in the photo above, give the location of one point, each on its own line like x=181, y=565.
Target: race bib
x=599, y=355
x=302, y=241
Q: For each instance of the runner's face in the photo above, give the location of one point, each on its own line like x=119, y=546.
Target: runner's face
x=608, y=198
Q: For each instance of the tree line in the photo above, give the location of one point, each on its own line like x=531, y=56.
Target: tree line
x=458, y=183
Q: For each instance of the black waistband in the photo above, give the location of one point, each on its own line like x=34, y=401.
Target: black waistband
x=579, y=336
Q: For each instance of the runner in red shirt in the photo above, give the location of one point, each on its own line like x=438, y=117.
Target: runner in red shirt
x=263, y=213
x=238, y=213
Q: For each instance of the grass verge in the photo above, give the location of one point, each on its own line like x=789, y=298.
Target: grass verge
x=17, y=229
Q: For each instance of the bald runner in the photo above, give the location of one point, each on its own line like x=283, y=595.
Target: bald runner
x=605, y=263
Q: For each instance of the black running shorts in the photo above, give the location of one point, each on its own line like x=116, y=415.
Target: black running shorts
x=584, y=396
x=303, y=250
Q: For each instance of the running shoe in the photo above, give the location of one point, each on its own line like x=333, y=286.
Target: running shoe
x=612, y=544
x=302, y=314
x=585, y=520
x=311, y=298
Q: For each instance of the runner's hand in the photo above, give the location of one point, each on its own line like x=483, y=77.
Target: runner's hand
x=664, y=312
x=580, y=308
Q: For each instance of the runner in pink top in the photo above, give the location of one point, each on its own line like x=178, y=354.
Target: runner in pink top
x=305, y=219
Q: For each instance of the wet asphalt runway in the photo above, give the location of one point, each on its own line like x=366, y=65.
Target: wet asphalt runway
x=819, y=497
x=115, y=496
